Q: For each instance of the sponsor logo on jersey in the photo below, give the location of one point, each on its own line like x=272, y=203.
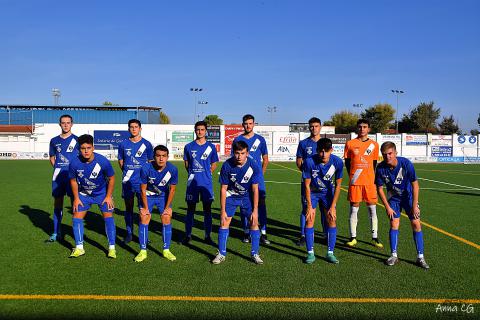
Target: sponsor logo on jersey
x=369, y=149
x=399, y=178
x=165, y=179
x=330, y=173
x=247, y=175
x=206, y=153
x=255, y=145
x=140, y=150
x=95, y=171
x=71, y=146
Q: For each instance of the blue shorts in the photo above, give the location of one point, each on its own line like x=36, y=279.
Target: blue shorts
x=130, y=189
x=244, y=203
x=317, y=198
x=195, y=192
x=153, y=202
x=88, y=201
x=406, y=205
x=61, y=185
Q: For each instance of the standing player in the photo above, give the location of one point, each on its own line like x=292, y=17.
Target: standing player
x=133, y=153
x=200, y=158
x=257, y=150
x=323, y=175
x=361, y=156
x=158, y=183
x=307, y=148
x=63, y=148
x=239, y=178
x=92, y=179
x=398, y=175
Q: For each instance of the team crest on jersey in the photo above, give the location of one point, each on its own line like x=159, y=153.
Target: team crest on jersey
x=151, y=180
x=314, y=173
x=59, y=149
x=194, y=154
x=129, y=152
x=309, y=150
x=233, y=177
x=80, y=173
x=356, y=151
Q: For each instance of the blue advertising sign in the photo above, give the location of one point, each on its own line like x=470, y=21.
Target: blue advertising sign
x=441, y=151
x=450, y=159
x=103, y=139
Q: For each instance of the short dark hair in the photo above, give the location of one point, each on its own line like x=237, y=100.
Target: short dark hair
x=65, y=116
x=239, y=146
x=387, y=145
x=160, y=147
x=324, y=144
x=366, y=121
x=134, y=121
x=85, y=138
x=248, y=117
x=314, y=120
x=200, y=123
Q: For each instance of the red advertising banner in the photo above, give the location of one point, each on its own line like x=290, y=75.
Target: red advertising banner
x=231, y=132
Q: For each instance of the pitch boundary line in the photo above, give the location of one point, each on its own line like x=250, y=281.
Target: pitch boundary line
x=450, y=184
x=233, y=299
x=451, y=235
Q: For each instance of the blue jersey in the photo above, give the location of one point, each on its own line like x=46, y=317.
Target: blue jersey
x=323, y=176
x=239, y=179
x=307, y=148
x=257, y=147
x=398, y=180
x=64, y=150
x=91, y=176
x=134, y=156
x=200, y=158
x=158, y=182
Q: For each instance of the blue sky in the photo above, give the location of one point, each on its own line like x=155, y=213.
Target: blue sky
x=307, y=58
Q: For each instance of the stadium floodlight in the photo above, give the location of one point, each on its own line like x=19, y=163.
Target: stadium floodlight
x=196, y=91
x=271, y=110
x=358, y=105
x=397, y=92
x=56, y=95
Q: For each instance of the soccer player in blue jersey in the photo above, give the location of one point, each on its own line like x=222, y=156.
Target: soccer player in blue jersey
x=239, y=178
x=257, y=150
x=307, y=148
x=322, y=176
x=397, y=174
x=133, y=153
x=92, y=180
x=200, y=158
x=159, y=180
x=63, y=148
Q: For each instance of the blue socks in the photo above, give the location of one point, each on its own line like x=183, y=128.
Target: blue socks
x=262, y=217
x=129, y=221
x=222, y=241
x=189, y=223
x=110, y=230
x=57, y=220
x=143, y=235
x=167, y=236
x=77, y=226
x=309, y=238
x=255, y=236
x=394, y=240
x=418, y=237
x=331, y=238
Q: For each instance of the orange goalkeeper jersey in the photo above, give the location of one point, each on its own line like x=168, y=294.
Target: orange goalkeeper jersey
x=361, y=155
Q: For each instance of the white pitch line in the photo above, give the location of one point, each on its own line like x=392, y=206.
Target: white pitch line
x=450, y=184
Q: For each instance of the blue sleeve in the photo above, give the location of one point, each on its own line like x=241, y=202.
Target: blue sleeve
x=144, y=174
x=214, y=157
x=339, y=171
x=223, y=179
x=120, y=151
x=108, y=168
x=72, y=174
x=300, y=150
x=307, y=170
x=52, y=150
x=185, y=153
x=174, y=175
x=412, y=176
x=149, y=151
x=378, y=177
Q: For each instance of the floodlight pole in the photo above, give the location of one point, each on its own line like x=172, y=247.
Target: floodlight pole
x=397, y=92
x=271, y=110
x=195, y=92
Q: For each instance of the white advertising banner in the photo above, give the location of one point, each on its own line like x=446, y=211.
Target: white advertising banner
x=285, y=143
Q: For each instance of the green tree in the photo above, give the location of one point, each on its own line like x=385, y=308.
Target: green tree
x=213, y=119
x=380, y=115
x=407, y=125
x=344, y=121
x=164, y=119
x=425, y=116
x=448, y=125
x=474, y=132
x=109, y=104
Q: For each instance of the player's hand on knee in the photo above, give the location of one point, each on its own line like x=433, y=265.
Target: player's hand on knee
x=109, y=202
x=332, y=214
x=167, y=212
x=390, y=213
x=144, y=212
x=76, y=203
x=416, y=212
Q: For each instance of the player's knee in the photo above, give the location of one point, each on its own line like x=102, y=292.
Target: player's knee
x=145, y=219
x=225, y=223
x=416, y=226
x=395, y=223
x=166, y=218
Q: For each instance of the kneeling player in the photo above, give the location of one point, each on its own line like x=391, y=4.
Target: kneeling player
x=319, y=172
x=92, y=180
x=398, y=175
x=158, y=183
x=239, y=179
